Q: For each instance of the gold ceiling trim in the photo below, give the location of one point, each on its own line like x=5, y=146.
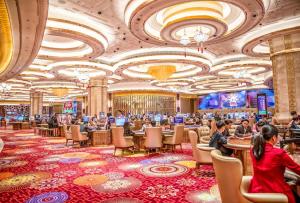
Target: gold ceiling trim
x=192, y=9
x=6, y=41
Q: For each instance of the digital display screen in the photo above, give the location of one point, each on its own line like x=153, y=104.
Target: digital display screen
x=70, y=107
x=85, y=119
x=157, y=118
x=120, y=121
x=112, y=120
x=210, y=101
x=233, y=100
x=252, y=97
x=262, y=104
x=178, y=120
x=238, y=99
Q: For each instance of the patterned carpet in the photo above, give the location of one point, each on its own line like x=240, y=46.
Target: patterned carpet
x=39, y=169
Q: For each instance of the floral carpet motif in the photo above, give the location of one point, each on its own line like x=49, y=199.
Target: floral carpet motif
x=35, y=169
x=163, y=170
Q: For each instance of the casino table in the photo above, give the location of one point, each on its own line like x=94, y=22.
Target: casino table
x=241, y=149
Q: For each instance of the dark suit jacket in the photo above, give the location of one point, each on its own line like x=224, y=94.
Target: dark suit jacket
x=240, y=131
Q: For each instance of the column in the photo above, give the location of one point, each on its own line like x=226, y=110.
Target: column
x=97, y=96
x=36, y=103
x=285, y=56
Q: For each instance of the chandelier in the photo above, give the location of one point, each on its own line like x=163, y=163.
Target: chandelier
x=83, y=78
x=60, y=92
x=199, y=37
x=4, y=87
x=242, y=74
x=161, y=72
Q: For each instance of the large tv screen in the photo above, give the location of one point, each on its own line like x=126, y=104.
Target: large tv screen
x=252, y=97
x=70, y=107
x=210, y=101
x=233, y=100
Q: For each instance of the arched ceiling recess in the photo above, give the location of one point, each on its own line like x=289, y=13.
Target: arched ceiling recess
x=71, y=36
x=22, y=29
x=256, y=44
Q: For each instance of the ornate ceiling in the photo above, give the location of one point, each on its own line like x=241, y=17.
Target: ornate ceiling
x=64, y=43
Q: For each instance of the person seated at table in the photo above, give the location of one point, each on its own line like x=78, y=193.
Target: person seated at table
x=91, y=126
x=243, y=130
x=127, y=130
x=294, y=124
x=269, y=165
x=218, y=140
x=258, y=126
x=228, y=124
x=147, y=124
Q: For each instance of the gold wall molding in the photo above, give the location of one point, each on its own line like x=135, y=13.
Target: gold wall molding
x=6, y=41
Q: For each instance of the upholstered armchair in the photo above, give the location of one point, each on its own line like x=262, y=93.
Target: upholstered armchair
x=77, y=136
x=176, y=139
x=153, y=138
x=67, y=134
x=203, y=131
x=119, y=141
x=233, y=186
x=201, y=152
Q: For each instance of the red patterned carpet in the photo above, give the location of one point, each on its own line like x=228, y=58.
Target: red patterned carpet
x=40, y=169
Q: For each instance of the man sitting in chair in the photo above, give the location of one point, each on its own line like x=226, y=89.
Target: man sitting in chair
x=218, y=140
x=243, y=130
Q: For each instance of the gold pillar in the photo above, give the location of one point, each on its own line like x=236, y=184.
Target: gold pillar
x=36, y=103
x=285, y=56
x=97, y=96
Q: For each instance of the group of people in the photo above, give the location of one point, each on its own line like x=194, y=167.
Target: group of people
x=269, y=161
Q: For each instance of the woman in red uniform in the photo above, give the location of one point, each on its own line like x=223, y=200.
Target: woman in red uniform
x=269, y=164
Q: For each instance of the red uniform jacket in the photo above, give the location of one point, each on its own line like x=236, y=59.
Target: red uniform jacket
x=269, y=172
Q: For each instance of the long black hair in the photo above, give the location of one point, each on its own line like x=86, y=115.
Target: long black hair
x=267, y=132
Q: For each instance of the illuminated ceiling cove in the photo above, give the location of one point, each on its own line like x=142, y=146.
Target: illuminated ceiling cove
x=207, y=46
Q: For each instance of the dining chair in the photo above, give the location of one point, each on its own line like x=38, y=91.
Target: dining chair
x=153, y=138
x=77, y=136
x=67, y=134
x=176, y=139
x=233, y=186
x=119, y=141
x=201, y=152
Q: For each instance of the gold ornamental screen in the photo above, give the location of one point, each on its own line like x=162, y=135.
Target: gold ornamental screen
x=144, y=103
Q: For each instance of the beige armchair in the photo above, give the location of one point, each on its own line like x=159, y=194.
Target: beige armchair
x=67, y=134
x=153, y=138
x=203, y=131
x=176, y=139
x=77, y=136
x=201, y=153
x=119, y=141
x=205, y=139
x=232, y=189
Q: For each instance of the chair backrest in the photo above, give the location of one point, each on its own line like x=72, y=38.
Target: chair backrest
x=118, y=137
x=75, y=132
x=203, y=131
x=153, y=137
x=229, y=172
x=178, y=134
x=213, y=128
x=193, y=139
x=66, y=133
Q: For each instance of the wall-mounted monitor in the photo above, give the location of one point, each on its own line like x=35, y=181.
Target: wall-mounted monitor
x=120, y=121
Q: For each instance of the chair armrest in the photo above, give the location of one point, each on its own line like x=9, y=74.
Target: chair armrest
x=260, y=197
x=205, y=147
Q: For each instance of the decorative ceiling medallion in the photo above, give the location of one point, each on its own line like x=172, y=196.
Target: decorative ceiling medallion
x=163, y=22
